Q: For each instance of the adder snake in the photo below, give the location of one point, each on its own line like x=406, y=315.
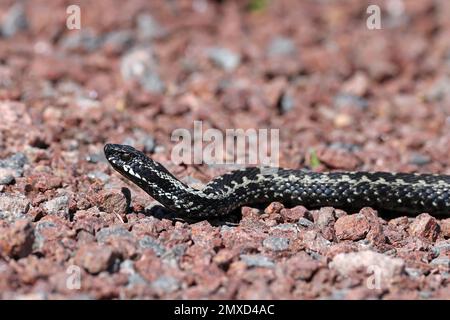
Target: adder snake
x=397, y=192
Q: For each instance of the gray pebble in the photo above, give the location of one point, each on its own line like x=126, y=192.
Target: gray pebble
x=441, y=262
x=226, y=228
x=129, y=142
x=339, y=294
x=96, y=157
x=58, y=206
x=142, y=138
x=419, y=159
x=98, y=175
x=122, y=39
x=38, y=236
x=134, y=278
x=149, y=144
x=84, y=39
x=173, y=255
x=342, y=100
x=441, y=247
x=166, y=284
x=256, y=260
x=15, y=164
x=425, y=294
x=140, y=65
x=439, y=90
x=17, y=160
x=224, y=58
x=276, y=243
x=6, y=177
x=285, y=227
x=104, y=234
x=151, y=82
x=15, y=20
x=148, y=242
x=281, y=46
x=148, y=28
x=315, y=255
x=13, y=207
x=413, y=272
x=344, y=146
x=286, y=103
x=127, y=266
x=305, y=222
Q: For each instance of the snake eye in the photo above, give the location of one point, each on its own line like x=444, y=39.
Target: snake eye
x=125, y=157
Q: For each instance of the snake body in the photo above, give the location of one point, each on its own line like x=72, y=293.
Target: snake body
x=396, y=192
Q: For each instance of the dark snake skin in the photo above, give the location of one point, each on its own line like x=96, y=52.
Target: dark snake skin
x=396, y=192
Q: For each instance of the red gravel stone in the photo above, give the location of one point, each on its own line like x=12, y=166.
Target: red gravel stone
x=338, y=159
x=445, y=228
x=424, y=226
x=16, y=241
x=113, y=202
x=95, y=258
x=352, y=227
x=294, y=214
x=274, y=208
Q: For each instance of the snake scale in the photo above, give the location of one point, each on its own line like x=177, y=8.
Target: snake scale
x=397, y=192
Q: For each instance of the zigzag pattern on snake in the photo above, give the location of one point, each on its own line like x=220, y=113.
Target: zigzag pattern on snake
x=396, y=192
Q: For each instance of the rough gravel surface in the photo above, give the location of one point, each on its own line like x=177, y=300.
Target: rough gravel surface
x=344, y=97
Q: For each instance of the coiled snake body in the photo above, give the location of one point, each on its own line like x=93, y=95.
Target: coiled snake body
x=397, y=192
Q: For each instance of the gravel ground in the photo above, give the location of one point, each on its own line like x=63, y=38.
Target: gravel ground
x=345, y=97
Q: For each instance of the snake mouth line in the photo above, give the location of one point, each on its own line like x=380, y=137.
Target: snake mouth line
x=396, y=192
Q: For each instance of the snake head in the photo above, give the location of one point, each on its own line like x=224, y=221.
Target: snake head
x=136, y=166
x=127, y=160
x=121, y=156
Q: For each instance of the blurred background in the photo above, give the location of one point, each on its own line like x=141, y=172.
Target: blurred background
x=341, y=93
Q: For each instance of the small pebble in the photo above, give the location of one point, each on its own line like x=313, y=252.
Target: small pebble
x=348, y=263
x=13, y=206
x=305, y=222
x=424, y=226
x=148, y=242
x=348, y=147
x=257, y=260
x=6, y=176
x=58, y=206
x=103, y=177
x=347, y=100
x=118, y=40
x=149, y=143
x=14, y=20
x=95, y=258
x=105, y=234
x=286, y=103
x=443, y=262
x=12, y=167
x=281, y=46
x=165, y=284
x=352, y=227
x=16, y=241
x=96, y=157
x=148, y=28
x=84, y=39
x=419, y=159
x=276, y=243
x=140, y=65
x=224, y=58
